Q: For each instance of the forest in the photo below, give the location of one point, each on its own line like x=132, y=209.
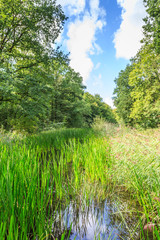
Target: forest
x=137, y=92
x=38, y=88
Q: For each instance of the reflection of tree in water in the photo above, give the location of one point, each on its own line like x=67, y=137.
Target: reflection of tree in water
x=92, y=220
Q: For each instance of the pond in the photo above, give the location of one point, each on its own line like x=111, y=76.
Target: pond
x=93, y=220
x=113, y=216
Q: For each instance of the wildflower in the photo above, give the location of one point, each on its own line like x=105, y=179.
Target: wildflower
x=149, y=226
x=157, y=199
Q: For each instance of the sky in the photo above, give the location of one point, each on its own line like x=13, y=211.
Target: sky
x=101, y=36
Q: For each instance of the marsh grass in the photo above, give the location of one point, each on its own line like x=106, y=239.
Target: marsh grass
x=136, y=168
x=103, y=128
x=39, y=172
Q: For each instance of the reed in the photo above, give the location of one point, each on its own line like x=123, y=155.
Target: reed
x=135, y=168
x=39, y=172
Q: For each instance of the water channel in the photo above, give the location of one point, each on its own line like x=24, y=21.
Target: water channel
x=99, y=221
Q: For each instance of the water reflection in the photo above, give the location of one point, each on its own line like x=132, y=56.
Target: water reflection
x=93, y=221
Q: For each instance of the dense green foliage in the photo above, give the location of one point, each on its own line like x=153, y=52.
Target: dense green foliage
x=123, y=95
x=42, y=171
x=137, y=93
x=38, y=89
x=152, y=24
x=97, y=108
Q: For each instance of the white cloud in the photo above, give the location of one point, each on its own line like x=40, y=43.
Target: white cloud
x=97, y=66
x=82, y=39
x=127, y=38
x=72, y=7
x=110, y=102
x=98, y=81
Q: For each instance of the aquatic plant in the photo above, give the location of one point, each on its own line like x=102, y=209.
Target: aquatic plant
x=35, y=176
x=43, y=173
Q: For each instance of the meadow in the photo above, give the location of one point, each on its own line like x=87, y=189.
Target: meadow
x=136, y=167
x=43, y=175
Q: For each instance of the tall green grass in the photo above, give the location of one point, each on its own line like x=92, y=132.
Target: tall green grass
x=136, y=169
x=40, y=172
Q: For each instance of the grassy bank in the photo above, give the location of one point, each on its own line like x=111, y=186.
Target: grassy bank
x=135, y=168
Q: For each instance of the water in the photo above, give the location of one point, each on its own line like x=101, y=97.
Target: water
x=94, y=221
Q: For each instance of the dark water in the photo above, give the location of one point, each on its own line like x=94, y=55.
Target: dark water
x=94, y=221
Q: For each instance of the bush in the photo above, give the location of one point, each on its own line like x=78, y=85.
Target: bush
x=102, y=127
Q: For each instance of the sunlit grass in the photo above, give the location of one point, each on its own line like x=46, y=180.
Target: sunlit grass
x=136, y=167
x=40, y=172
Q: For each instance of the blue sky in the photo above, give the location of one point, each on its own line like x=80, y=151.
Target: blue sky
x=101, y=36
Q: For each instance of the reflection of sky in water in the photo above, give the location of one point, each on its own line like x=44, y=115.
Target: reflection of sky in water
x=92, y=221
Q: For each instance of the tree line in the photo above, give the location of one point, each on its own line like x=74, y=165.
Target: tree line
x=38, y=88
x=137, y=92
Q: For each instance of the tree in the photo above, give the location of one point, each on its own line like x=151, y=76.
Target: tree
x=97, y=108
x=28, y=30
x=145, y=77
x=145, y=82
x=152, y=24
x=138, y=88
x=27, y=33
x=66, y=100
x=37, y=86
x=122, y=99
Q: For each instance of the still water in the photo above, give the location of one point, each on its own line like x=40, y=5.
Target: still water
x=95, y=221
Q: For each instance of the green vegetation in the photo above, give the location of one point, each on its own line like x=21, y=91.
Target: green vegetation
x=38, y=89
x=137, y=92
x=135, y=169
x=42, y=171
x=39, y=173
x=39, y=92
